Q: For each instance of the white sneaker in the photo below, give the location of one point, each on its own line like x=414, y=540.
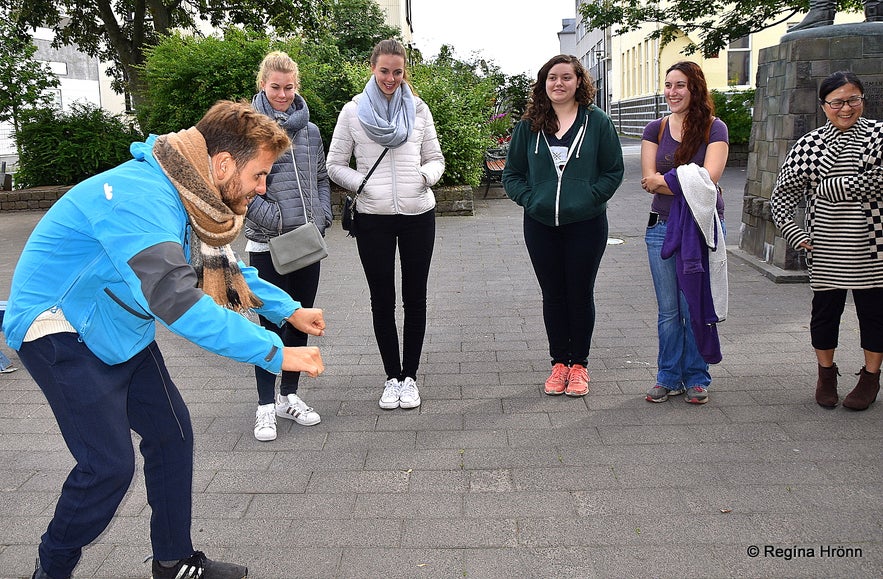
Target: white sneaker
x=390, y=397
x=409, y=396
x=265, y=422
x=293, y=408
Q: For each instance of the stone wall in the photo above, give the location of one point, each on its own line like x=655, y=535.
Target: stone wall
x=455, y=200
x=786, y=107
x=36, y=199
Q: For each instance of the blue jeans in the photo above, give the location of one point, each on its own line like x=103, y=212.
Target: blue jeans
x=4, y=361
x=679, y=363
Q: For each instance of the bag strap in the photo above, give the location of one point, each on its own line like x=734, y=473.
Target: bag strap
x=368, y=176
x=307, y=216
x=365, y=180
x=661, y=130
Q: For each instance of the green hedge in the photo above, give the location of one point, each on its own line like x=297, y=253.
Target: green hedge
x=186, y=75
x=58, y=148
x=734, y=108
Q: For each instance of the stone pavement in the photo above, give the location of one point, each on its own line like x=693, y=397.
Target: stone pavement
x=489, y=477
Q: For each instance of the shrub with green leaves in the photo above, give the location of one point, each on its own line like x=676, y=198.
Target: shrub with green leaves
x=64, y=148
x=734, y=109
x=187, y=75
x=461, y=103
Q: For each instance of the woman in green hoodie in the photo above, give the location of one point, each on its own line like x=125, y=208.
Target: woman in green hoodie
x=564, y=163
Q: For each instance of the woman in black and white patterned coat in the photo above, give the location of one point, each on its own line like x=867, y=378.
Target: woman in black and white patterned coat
x=839, y=168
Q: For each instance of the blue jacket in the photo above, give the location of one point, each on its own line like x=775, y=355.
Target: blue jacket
x=113, y=253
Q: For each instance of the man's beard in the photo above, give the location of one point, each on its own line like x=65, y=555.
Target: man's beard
x=231, y=195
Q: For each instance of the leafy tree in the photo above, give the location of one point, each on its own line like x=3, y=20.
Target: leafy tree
x=355, y=26
x=120, y=31
x=186, y=75
x=24, y=81
x=714, y=22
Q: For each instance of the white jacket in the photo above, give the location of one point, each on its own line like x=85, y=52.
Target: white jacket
x=401, y=183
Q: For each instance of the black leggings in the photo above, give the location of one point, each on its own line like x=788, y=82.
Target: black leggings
x=827, y=309
x=566, y=261
x=302, y=285
x=414, y=235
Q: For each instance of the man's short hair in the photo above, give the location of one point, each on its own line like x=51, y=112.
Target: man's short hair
x=241, y=131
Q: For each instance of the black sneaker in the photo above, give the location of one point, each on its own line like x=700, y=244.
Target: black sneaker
x=197, y=566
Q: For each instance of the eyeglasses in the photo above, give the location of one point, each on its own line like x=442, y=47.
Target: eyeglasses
x=837, y=104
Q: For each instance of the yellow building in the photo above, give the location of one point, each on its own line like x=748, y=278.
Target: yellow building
x=636, y=65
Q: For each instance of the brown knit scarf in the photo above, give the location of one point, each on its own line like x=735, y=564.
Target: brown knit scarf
x=184, y=158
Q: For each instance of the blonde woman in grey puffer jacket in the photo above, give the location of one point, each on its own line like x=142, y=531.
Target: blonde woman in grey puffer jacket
x=298, y=190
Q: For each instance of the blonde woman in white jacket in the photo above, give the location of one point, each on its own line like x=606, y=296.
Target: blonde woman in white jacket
x=396, y=208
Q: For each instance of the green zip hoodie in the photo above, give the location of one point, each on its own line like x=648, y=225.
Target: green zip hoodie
x=593, y=171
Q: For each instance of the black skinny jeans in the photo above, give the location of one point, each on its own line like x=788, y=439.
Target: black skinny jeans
x=302, y=285
x=414, y=235
x=566, y=261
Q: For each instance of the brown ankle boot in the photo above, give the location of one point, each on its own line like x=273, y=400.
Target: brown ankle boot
x=826, y=387
x=865, y=392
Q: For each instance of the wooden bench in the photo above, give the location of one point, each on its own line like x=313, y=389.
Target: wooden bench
x=494, y=163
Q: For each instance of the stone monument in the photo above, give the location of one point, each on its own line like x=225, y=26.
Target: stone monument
x=786, y=107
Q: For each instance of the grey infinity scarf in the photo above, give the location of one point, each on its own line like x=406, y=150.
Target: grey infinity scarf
x=387, y=122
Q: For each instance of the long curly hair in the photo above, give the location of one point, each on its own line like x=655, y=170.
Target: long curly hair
x=539, y=111
x=700, y=114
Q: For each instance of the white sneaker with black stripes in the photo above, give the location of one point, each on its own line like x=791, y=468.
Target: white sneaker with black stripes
x=293, y=408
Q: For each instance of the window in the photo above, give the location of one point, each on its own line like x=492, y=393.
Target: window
x=739, y=62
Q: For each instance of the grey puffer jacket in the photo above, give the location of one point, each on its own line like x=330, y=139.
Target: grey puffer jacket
x=280, y=210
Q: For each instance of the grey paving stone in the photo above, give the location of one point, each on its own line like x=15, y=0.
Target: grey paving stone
x=490, y=478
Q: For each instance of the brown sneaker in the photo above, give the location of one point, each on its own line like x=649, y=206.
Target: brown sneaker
x=577, y=381
x=557, y=382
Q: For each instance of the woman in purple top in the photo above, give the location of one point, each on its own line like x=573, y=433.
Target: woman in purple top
x=690, y=134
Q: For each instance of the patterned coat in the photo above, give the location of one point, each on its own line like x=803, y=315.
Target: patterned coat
x=841, y=174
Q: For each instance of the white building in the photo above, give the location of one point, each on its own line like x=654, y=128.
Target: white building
x=81, y=79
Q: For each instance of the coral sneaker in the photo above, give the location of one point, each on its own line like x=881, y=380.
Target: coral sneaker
x=557, y=382
x=577, y=381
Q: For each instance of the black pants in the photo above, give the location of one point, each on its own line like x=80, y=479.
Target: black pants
x=302, y=285
x=566, y=261
x=827, y=309
x=414, y=235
